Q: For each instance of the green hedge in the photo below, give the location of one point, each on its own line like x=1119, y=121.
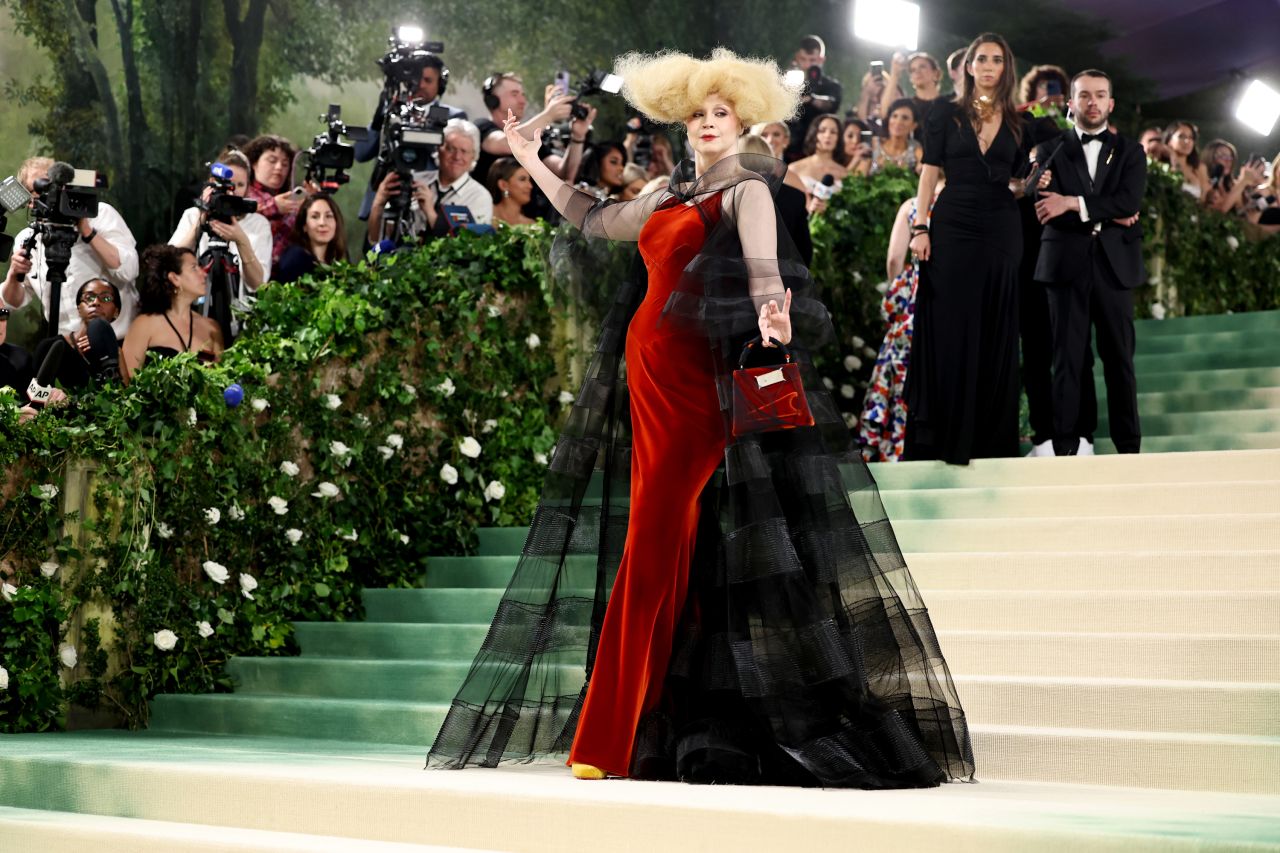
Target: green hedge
x=372, y=379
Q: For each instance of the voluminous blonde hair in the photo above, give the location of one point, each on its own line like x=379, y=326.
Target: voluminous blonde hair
x=670, y=87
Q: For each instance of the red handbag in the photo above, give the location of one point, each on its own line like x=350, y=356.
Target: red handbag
x=768, y=398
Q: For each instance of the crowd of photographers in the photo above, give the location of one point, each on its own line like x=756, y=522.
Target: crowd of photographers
x=82, y=304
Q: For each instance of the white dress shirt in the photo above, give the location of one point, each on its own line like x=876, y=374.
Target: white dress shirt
x=1092, y=149
x=256, y=228
x=465, y=192
x=84, y=265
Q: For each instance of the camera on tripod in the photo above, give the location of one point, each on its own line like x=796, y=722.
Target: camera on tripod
x=223, y=204
x=329, y=158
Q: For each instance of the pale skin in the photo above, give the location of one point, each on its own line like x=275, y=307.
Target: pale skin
x=513, y=101
x=822, y=161
x=901, y=124
x=778, y=136
x=900, y=236
x=250, y=266
x=320, y=228
x=150, y=330
x=1092, y=105
x=925, y=79
x=271, y=169
x=713, y=131
x=20, y=264
x=456, y=157
x=1181, y=144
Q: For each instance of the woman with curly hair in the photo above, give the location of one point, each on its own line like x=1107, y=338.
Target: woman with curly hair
x=170, y=283
x=717, y=611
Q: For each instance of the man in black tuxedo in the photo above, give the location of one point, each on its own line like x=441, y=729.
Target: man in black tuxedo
x=1090, y=261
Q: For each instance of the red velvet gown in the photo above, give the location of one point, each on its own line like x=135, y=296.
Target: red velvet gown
x=678, y=441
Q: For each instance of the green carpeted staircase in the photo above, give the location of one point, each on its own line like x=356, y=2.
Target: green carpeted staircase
x=1112, y=623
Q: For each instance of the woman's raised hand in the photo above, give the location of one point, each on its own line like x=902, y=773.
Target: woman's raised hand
x=522, y=149
x=775, y=322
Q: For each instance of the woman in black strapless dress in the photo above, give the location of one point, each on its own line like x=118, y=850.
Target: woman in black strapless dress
x=962, y=386
x=167, y=325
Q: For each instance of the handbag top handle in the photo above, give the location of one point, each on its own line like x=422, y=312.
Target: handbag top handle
x=759, y=341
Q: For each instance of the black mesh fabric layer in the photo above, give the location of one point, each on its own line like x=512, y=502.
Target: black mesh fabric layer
x=805, y=655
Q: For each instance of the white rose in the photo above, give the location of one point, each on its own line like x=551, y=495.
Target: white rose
x=449, y=474
x=870, y=353
x=489, y=426
x=351, y=537
x=235, y=513
x=386, y=452
x=278, y=505
x=4, y=678
x=216, y=571
x=565, y=398
x=332, y=401
x=165, y=640
x=326, y=490
x=495, y=311
x=204, y=629
x=259, y=404
x=540, y=458
x=1157, y=311
x=247, y=585
x=362, y=420
x=49, y=568
x=67, y=654
x=882, y=287
x=851, y=362
x=191, y=417
x=47, y=491
x=446, y=387
x=8, y=591
x=289, y=469
x=213, y=515
x=411, y=391
x=850, y=420
x=857, y=277
x=494, y=491
x=163, y=530
x=827, y=381
x=469, y=447
x=395, y=440
x=533, y=340
x=337, y=448
x=294, y=535
x=846, y=391
x=404, y=539
x=858, y=342
x=1233, y=242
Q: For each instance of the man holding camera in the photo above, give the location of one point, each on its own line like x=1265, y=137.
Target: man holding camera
x=105, y=249
x=439, y=197
x=822, y=94
x=1091, y=261
x=503, y=92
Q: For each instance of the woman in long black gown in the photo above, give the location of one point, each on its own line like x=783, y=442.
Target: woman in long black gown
x=962, y=387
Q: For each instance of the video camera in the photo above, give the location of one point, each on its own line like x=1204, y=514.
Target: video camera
x=223, y=204
x=598, y=83
x=328, y=158
x=58, y=202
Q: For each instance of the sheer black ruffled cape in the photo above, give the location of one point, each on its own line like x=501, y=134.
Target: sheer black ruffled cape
x=805, y=655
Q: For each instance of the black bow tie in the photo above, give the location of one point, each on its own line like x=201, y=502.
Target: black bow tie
x=1086, y=138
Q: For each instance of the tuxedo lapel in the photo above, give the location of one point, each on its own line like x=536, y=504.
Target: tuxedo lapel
x=1075, y=156
x=1106, y=158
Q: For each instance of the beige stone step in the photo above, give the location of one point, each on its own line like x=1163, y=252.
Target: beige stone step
x=1216, y=571
x=1139, y=533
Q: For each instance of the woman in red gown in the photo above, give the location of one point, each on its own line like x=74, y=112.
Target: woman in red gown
x=730, y=609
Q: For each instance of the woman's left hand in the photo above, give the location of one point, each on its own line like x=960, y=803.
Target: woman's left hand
x=775, y=322
x=230, y=231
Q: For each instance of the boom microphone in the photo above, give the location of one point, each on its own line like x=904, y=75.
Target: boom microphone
x=41, y=387
x=61, y=173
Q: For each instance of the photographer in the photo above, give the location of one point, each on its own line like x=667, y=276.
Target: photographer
x=1152, y=142
x=249, y=236
x=450, y=186
x=822, y=94
x=503, y=92
x=926, y=78
x=431, y=86
x=271, y=186
x=105, y=249
x=1228, y=191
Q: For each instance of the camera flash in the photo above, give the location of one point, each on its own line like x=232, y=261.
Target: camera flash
x=408, y=34
x=891, y=22
x=611, y=84
x=794, y=78
x=1259, y=108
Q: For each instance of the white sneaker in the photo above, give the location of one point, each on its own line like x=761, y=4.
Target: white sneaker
x=1085, y=448
x=1044, y=448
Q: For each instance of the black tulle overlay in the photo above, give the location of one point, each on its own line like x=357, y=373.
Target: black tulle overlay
x=805, y=655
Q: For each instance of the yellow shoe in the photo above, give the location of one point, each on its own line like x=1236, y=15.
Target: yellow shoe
x=587, y=771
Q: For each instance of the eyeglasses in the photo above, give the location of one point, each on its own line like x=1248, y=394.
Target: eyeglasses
x=450, y=148
x=91, y=298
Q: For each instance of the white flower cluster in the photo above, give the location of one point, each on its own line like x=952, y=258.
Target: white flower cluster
x=289, y=469
x=332, y=402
